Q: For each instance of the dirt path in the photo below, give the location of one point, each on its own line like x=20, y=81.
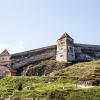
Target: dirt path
x=84, y=87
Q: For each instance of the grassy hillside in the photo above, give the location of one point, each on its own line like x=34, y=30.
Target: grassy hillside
x=82, y=71
x=45, y=88
x=33, y=86
x=60, y=87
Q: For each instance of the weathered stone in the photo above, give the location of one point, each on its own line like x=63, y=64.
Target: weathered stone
x=29, y=57
x=65, y=50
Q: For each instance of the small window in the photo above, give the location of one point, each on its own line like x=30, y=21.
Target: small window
x=61, y=55
x=61, y=48
x=3, y=58
x=62, y=43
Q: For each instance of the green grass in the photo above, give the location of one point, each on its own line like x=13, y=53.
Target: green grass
x=14, y=81
x=59, y=87
x=82, y=71
x=50, y=88
x=40, y=86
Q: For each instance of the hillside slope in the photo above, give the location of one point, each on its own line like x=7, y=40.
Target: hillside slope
x=82, y=71
x=44, y=88
x=44, y=68
x=62, y=86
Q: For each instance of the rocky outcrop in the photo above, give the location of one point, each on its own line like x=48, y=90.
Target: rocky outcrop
x=45, y=68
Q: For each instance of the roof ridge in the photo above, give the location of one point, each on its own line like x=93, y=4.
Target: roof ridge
x=5, y=53
x=64, y=35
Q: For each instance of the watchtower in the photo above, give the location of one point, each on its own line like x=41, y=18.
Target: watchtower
x=65, y=49
x=4, y=58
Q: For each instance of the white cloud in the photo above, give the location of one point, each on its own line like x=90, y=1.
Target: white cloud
x=13, y=47
x=19, y=47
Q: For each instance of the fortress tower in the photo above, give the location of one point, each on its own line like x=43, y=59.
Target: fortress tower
x=4, y=58
x=65, y=49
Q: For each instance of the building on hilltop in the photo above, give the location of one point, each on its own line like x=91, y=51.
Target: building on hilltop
x=64, y=51
x=5, y=61
x=4, y=58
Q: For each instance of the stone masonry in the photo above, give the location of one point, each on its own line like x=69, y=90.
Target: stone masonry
x=65, y=51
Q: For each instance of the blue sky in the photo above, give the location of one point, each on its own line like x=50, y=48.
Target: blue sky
x=30, y=24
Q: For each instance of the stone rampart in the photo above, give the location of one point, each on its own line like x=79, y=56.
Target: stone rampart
x=19, y=60
x=29, y=57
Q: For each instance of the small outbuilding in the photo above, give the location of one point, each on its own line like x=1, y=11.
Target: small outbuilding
x=4, y=58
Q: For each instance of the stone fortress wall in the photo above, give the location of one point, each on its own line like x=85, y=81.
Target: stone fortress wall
x=19, y=60
x=91, y=52
x=67, y=51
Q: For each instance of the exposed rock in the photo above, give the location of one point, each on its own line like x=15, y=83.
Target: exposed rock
x=45, y=68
